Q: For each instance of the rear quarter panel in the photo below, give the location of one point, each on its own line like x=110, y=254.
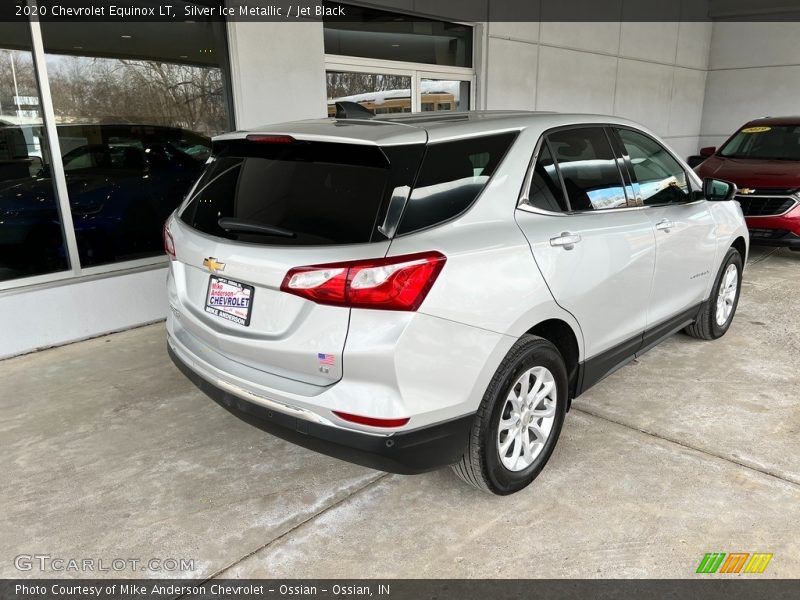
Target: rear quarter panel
x=490, y=280
x=488, y=295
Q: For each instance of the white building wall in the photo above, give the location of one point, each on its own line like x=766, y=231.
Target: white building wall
x=277, y=72
x=653, y=73
x=754, y=71
x=44, y=316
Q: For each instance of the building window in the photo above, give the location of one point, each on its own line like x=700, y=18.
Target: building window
x=135, y=105
x=383, y=35
x=380, y=93
x=391, y=62
x=31, y=232
x=445, y=94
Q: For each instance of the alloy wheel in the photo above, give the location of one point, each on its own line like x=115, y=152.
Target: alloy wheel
x=527, y=418
x=728, y=288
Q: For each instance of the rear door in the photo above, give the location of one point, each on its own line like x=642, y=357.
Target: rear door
x=261, y=208
x=596, y=255
x=682, y=224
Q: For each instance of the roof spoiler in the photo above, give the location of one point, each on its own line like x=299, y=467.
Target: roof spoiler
x=352, y=110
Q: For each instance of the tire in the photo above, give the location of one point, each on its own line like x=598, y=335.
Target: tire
x=482, y=465
x=707, y=327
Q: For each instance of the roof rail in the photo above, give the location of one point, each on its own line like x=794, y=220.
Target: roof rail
x=352, y=110
x=426, y=117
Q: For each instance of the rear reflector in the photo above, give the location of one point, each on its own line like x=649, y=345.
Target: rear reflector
x=395, y=283
x=169, y=243
x=270, y=139
x=371, y=421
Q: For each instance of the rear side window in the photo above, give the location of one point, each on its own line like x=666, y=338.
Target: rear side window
x=589, y=168
x=302, y=193
x=545, y=190
x=451, y=177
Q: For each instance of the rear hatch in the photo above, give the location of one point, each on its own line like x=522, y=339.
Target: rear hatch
x=267, y=204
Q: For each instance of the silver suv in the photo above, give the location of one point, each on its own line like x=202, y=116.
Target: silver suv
x=419, y=291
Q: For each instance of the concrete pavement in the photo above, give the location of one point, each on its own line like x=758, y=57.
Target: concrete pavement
x=108, y=452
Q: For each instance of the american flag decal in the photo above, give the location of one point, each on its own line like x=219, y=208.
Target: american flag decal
x=325, y=359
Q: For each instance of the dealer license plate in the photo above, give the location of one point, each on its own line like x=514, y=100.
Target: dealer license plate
x=229, y=300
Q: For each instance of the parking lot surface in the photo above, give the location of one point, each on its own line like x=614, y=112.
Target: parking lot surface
x=109, y=453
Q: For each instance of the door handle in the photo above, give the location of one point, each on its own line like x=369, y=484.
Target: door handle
x=665, y=225
x=566, y=240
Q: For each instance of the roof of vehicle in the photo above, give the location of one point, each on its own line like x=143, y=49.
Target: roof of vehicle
x=409, y=128
x=774, y=121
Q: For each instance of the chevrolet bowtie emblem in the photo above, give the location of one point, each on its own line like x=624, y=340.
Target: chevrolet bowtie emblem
x=747, y=191
x=212, y=265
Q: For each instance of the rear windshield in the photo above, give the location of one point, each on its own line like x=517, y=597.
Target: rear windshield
x=773, y=142
x=320, y=193
x=301, y=193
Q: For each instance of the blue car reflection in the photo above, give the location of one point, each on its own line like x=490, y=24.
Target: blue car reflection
x=123, y=181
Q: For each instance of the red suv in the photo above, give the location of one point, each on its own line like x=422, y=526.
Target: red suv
x=763, y=160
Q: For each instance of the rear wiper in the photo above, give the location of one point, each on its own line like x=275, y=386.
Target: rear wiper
x=243, y=226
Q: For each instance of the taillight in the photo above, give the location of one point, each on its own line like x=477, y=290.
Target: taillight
x=169, y=243
x=372, y=421
x=395, y=283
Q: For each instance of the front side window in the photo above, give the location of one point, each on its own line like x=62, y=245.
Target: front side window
x=661, y=178
x=589, y=168
x=451, y=177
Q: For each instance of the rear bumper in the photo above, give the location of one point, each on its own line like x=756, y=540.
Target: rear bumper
x=407, y=452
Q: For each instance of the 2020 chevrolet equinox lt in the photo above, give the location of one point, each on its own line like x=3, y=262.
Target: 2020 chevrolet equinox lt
x=419, y=291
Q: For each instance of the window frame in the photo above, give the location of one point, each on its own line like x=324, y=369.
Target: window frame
x=627, y=178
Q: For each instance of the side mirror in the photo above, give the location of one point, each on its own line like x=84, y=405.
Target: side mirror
x=716, y=189
x=695, y=160
x=36, y=165
x=708, y=151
